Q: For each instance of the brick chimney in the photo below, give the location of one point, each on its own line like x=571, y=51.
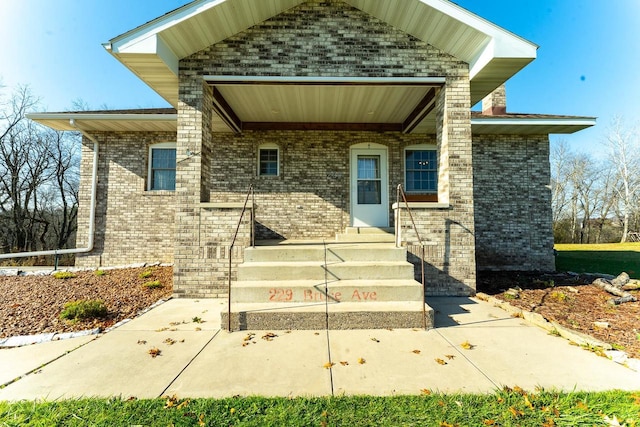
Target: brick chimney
x=495, y=103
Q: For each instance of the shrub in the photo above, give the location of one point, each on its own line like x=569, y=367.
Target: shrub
x=100, y=273
x=153, y=285
x=63, y=275
x=83, y=309
x=145, y=274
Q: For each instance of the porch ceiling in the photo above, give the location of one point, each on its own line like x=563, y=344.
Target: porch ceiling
x=153, y=50
x=322, y=103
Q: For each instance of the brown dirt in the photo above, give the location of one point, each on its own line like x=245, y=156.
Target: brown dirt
x=572, y=302
x=32, y=304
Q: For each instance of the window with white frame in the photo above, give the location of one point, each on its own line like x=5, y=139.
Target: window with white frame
x=162, y=167
x=269, y=160
x=421, y=169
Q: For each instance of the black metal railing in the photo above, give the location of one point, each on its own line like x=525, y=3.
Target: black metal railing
x=250, y=196
x=402, y=197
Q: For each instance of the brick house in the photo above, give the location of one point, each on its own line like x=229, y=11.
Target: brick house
x=324, y=107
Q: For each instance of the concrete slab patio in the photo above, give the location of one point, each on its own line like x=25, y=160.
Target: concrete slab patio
x=197, y=359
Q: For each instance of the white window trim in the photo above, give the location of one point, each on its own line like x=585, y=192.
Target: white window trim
x=159, y=145
x=268, y=146
x=421, y=147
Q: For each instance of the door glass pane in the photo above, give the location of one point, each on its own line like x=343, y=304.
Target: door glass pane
x=368, y=167
x=369, y=183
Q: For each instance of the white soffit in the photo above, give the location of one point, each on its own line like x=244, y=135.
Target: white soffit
x=530, y=126
x=153, y=50
x=107, y=122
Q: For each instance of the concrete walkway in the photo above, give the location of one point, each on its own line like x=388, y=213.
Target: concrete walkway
x=200, y=360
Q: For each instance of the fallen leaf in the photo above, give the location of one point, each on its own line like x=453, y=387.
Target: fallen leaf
x=440, y=361
x=549, y=423
x=515, y=412
x=171, y=402
x=361, y=361
x=182, y=340
x=269, y=336
x=344, y=363
x=449, y=356
x=162, y=329
x=184, y=404
x=375, y=340
x=316, y=333
x=142, y=342
x=249, y=337
x=519, y=390
x=169, y=341
x=446, y=424
x=198, y=328
x=467, y=345
x=425, y=391
x=416, y=351
x=328, y=365
x=154, y=352
x=528, y=403
x=201, y=422
x=489, y=422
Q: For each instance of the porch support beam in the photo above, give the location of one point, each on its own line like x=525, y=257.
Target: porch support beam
x=426, y=105
x=226, y=113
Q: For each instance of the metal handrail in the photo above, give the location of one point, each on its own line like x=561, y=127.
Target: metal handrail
x=398, y=226
x=250, y=194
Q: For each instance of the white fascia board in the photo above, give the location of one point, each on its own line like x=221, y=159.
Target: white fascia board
x=502, y=43
x=586, y=121
x=127, y=42
x=477, y=22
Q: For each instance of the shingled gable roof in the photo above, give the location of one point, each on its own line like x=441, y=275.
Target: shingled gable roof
x=153, y=50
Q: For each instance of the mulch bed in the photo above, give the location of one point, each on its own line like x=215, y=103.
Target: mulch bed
x=571, y=301
x=32, y=304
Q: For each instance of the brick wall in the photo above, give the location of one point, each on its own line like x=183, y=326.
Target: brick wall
x=323, y=38
x=513, y=202
x=132, y=224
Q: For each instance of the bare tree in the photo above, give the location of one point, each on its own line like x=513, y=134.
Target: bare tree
x=38, y=180
x=624, y=153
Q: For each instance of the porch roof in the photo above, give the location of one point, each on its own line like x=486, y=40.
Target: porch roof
x=165, y=119
x=153, y=50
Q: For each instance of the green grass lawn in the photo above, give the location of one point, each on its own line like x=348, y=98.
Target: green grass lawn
x=503, y=408
x=610, y=258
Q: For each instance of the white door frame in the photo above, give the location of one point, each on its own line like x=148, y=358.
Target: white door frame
x=369, y=215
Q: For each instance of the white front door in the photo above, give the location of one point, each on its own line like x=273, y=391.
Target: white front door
x=369, y=187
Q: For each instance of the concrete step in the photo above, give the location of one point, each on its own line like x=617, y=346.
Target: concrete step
x=353, y=270
x=301, y=291
x=369, y=230
x=366, y=238
x=334, y=252
x=315, y=316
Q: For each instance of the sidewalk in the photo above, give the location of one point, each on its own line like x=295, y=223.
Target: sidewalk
x=207, y=362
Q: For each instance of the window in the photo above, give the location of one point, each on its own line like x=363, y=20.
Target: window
x=268, y=160
x=162, y=167
x=421, y=170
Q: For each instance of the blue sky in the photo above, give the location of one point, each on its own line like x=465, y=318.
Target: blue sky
x=588, y=62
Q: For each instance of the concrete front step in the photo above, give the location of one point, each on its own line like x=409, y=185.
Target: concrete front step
x=334, y=252
x=366, y=238
x=369, y=230
x=353, y=270
x=306, y=291
x=345, y=315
